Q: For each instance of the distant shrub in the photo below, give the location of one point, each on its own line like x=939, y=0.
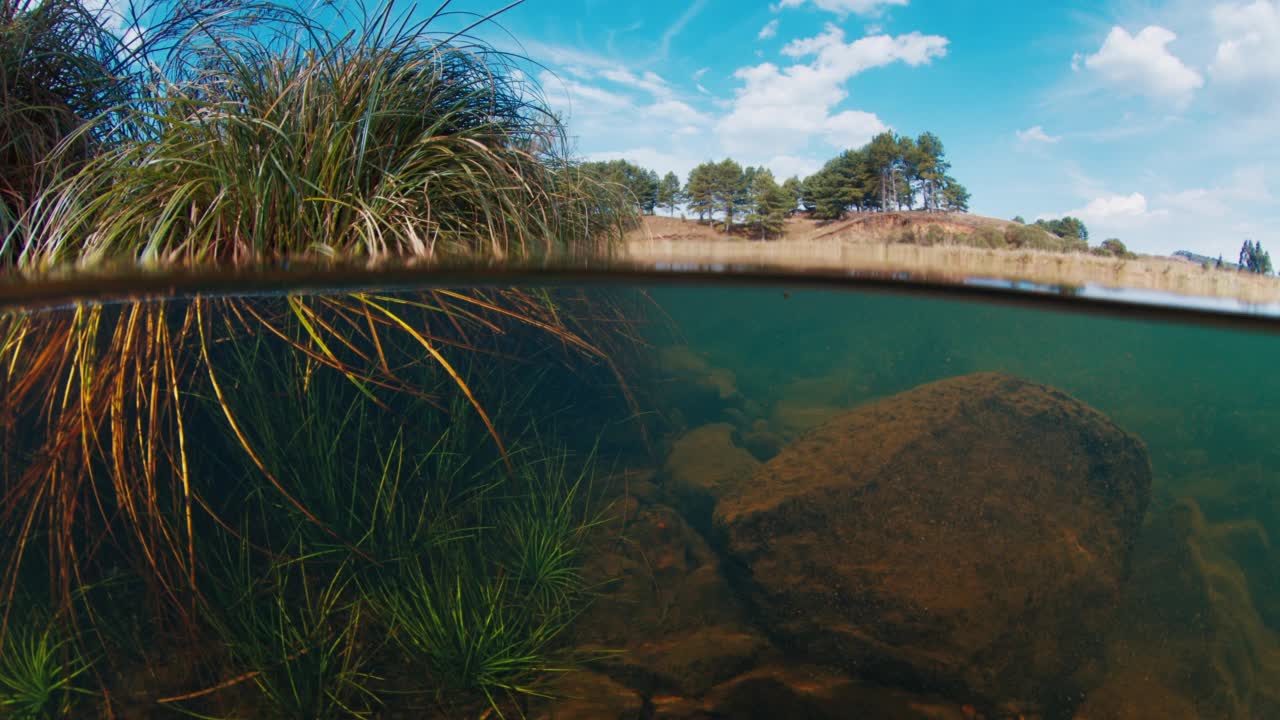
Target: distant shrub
x=1111, y=247
x=1019, y=237
x=905, y=236
x=988, y=238
x=1025, y=237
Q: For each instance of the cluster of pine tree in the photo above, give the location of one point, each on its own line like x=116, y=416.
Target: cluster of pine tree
x=637, y=183
x=1253, y=258
x=732, y=191
x=892, y=172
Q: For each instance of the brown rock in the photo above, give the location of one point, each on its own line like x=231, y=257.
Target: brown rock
x=1135, y=695
x=971, y=535
x=792, y=418
x=589, y=696
x=689, y=373
x=763, y=445
x=798, y=692
x=664, y=618
x=702, y=466
x=1188, y=630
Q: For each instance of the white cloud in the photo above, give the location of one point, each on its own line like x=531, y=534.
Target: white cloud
x=1246, y=55
x=785, y=166
x=573, y=99
x=648, y=81
x=844, y=7
x=677, y=112
x=1248, y=187
x=660, y=161
x=111, y=13
x=852, y=128
x=1142, y=65
x=769, y=30
x=1037, y=136
x=1116, y=211
x=782, y=108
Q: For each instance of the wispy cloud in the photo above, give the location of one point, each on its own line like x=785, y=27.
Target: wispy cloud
x=1036, y=136
x=675, y=28
x=843, y=7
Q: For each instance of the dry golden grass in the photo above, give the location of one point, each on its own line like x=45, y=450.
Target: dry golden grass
x=858, y=244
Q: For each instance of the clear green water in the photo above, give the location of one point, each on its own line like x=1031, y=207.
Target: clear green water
x=710, y=502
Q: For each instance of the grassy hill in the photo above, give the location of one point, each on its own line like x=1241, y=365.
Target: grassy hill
x=874, y=241
x=860, y=228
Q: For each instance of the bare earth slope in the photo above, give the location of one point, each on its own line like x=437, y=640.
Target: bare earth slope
x=862, y=242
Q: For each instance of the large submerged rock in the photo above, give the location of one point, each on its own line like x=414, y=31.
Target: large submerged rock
x=1190, y=641
x=970, y=536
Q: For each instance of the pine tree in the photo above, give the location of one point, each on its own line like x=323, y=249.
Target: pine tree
x=669, y=193
x=795, y=192
x=883, y=154
x=698, y=191
x=1254, y=259
x=955, y=197
x=931, y=169
x=769, y=204
x=728, y=189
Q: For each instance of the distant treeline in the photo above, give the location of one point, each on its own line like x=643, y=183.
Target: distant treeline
x=748, y=198
x=1252, y=259
x=892, y=172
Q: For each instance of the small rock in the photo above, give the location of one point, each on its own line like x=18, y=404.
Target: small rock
x=665, y=619
x=703, y=465
x=589, y=696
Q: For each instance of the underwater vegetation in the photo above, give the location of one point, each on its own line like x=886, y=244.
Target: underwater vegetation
x=287, y=518
x=287, y=491
x=39, y=671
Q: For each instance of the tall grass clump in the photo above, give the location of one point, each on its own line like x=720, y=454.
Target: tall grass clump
x=60, y=70
x=238, y=133
x=290, y=139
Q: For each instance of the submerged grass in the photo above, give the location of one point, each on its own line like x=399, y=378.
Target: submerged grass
x=486, y=612
x=297, y=628
x=39, y=670
x=417, y=542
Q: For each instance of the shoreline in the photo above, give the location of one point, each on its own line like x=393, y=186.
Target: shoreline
x=856, y=251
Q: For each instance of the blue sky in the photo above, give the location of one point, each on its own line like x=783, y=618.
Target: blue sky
x=1154, y=121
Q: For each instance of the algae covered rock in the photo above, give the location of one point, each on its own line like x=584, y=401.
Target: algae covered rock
x=590, y=696
x=687, y=384
x=970, y=536
x=663, y=618
x=799, y=691
x=1189, y=641
x=703, y=465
